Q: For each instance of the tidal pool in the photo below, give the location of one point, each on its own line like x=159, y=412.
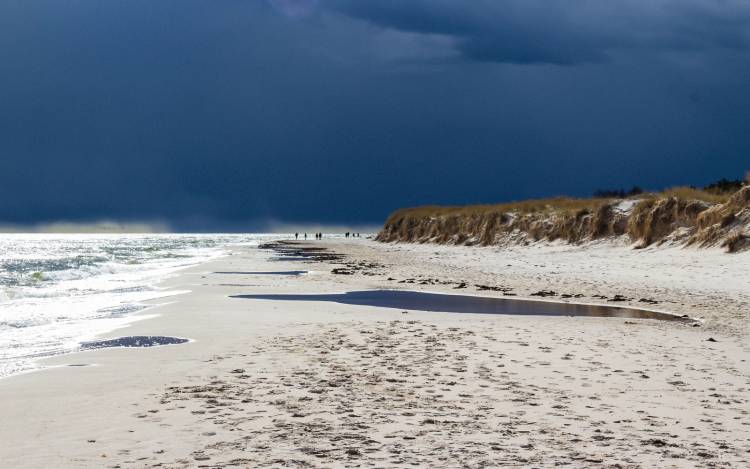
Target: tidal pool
x=282, y=272
x=133, y=341
x=424, y=301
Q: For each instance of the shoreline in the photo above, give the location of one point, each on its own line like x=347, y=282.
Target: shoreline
x=76, y=288
x=57, y=411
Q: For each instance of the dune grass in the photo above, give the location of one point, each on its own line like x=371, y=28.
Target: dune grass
x=691, y=193
x=561, y=205
x=556, y=204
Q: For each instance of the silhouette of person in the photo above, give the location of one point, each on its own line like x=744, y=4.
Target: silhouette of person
x=296, y=235
x=305, y=235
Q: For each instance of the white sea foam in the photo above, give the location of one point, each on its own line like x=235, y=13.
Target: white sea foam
x=59, y=290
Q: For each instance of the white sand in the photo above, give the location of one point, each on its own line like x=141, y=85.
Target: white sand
x=269, y=383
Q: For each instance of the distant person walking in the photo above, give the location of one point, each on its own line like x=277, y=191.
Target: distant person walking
x=296, y=235
x=305, y=235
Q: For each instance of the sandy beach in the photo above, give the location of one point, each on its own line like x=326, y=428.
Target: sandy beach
x=266, y=383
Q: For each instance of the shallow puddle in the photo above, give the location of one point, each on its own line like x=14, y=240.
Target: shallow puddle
x=283, y=272
x=422, y=301
x=133, y=341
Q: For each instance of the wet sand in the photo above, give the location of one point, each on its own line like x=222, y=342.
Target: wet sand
x=324, y=384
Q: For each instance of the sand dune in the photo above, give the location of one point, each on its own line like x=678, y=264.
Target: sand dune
x=676, y=219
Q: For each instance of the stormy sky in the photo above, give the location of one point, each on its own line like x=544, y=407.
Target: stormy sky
x=232, y=114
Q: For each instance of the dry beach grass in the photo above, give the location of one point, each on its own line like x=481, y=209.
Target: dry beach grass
x=680, y=216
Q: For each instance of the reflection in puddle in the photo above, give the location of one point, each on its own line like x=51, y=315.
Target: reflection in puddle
x=421, y=301
x=283, y=272
x=133, y=341
x=231, y=285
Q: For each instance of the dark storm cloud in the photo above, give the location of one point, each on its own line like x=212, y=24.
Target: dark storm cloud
x=562, y=31
x=221, y=114
x=294, y=8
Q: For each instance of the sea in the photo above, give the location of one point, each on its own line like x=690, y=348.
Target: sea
x=59, y=290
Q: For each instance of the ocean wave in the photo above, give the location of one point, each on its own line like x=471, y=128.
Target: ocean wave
x=58, y=290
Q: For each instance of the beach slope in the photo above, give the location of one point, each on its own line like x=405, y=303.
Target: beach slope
x=319, y=384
